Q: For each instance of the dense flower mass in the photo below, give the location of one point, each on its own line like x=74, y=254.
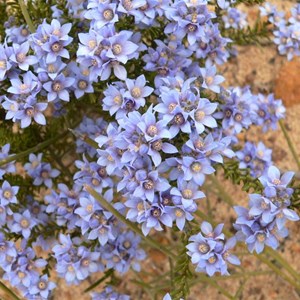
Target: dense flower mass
x=264, y=222
x=138, y=84
x=209, y=250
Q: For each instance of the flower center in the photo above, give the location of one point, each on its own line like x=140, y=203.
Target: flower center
x=247, y=158
x=156, y=213
x=20, y=57
x=21, y=275
x=45, y=174
x=116, y=49
x=127, y=4
x=130, y=104
x=178, y=213
x=24, y=223
x=148, y=185
x=56, y=47
x=199, y=144
x=261, y=237
x=203, y=248
x=70, y=268
x=136, y=92
x=56, y=86
x=171, y=107
x=95, y=182
x=127, y=244
x=23, y=86
x=82, y=84
x=89, y=208
x=118, y=100
x=3, y=64
x=102, y=172
x=157, y=145
x=2, y=248
x=7, y=194
x=152, y=130
x=196, y=167
x=85, y=262
x=108, y=14
x=209, y=80
x=276, y=181
x=140, y=206
x=212, y=259
x=191, y=28
x=42, y=285
x=199, y=115
x=179, y=119
x=187, y=193
x=228, y=113
x=29, y=111
x=92, y=44
x=238, y=117
x=24, y=32
x=261, y=113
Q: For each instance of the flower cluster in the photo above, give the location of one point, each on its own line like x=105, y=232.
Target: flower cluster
x=209, y=250
x=264, y=222
x=286, y=30
x=257, y=158
x=138, y=84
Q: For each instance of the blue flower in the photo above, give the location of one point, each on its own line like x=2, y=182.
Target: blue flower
x=211, y=81
x=41, y=287
x=58, y=88
x=138, y=90
x=19, y=56
x=8, y=193
x=101, y=14
x=202, y=115
x=210, y=250
x=196, y=169
x=31, y=109
x=256, y=158
x=23, y=223
x=234, y=19
x=148, y=184
x=25, y=87
x=187, y=193
x=273, y=178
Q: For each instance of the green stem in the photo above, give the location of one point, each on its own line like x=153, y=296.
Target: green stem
x=290, y=143
x=107, y=274
x=84, y=138
x=26, y=16
x=8, y=291
x=283, y=262
x=31, y=150
x=151, y=242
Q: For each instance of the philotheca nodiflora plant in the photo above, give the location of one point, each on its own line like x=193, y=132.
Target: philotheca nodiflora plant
x=115, y=122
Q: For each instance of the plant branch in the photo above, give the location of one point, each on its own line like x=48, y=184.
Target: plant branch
x=33, y=149
x=290, y=143
x=8, y=291
x=26, y=16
